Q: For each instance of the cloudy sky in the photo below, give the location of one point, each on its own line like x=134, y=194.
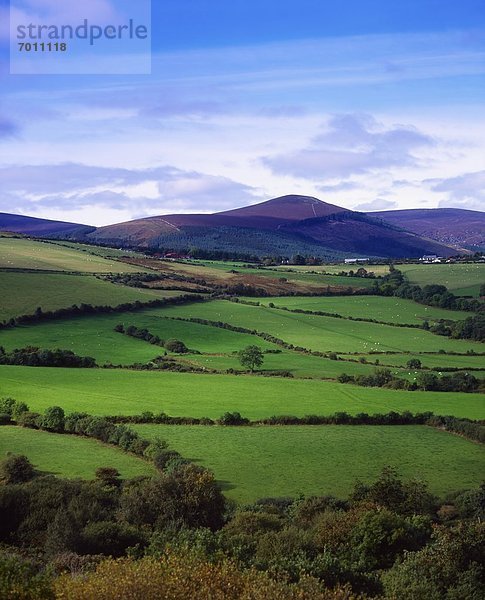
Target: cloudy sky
x=360, y=103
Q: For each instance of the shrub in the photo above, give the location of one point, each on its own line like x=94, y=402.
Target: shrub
x=29, y=419
x=22, y=579
x=163, y=457
x=108, y=476
x=16, y=468
x=53, y=419
x=233, y=418
x=176, y=346
x=111, y=538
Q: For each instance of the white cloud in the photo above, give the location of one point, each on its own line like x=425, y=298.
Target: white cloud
x=100, y=192
x=463, y=191
x=352, y=144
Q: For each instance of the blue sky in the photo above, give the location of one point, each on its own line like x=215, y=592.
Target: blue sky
x=367, y=104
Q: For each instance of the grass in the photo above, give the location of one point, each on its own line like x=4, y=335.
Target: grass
x=301, y=365
x=392, y=310
x=95, y=336
x=22, y=293
x=458, y=278
x=103, y=251
x=335, y=269
x=67, y=455
x=435, y=361
x=256, y=462
x=124, y=392
x=29, y=254
x=322, y=333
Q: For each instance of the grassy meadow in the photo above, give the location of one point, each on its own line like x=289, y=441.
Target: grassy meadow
x=67, y=455
x=124, y=392
x=95, y=336
x=30, y=254
x=22, y=293
x=326, y=334
x=461, y=279
x=254, y=462
x=381, y=308
x=250, y=462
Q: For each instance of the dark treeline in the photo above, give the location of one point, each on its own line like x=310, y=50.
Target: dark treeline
x=396, y=284
x=471, y=430
x=425, y=381
x=32, y=356
x=104, y=429
x=172, y=345
x=141, y=334
x=89, y=309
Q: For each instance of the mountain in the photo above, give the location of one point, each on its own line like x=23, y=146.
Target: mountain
x=282, y=226
x=450, y=226
x=285, y=225
x=41, y=227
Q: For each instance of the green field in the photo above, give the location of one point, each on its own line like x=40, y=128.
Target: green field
x=29, y=254
x=22, y=293
x=256, y=462
x=435, y=361
x=461, y=279
x=378, y=270
x=300, y=365
x=95, y=336
x=123, y=392
x=67, y=455
x=381, y=308
x=321, y=333
x=100, y=250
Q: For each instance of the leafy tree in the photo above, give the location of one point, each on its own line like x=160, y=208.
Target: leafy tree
x=427, y=381
x=451, y=567
x=251, y=357
x=176, y=346
x=414, y=363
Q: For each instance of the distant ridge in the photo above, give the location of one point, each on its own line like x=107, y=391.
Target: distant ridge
x=454, y=226
x=40, y=227
x=280, y=226
x=283, y=226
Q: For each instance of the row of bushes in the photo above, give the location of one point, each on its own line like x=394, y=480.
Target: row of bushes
x=425, y=381
x=103, y=429
x=89, y=309
x=172, y=345
x=32, y=356
x=471, y=430
x=396, y=284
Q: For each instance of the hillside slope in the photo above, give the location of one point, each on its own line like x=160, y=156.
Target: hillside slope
x=451, y=226
x=40, y=227
x=285, y=225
